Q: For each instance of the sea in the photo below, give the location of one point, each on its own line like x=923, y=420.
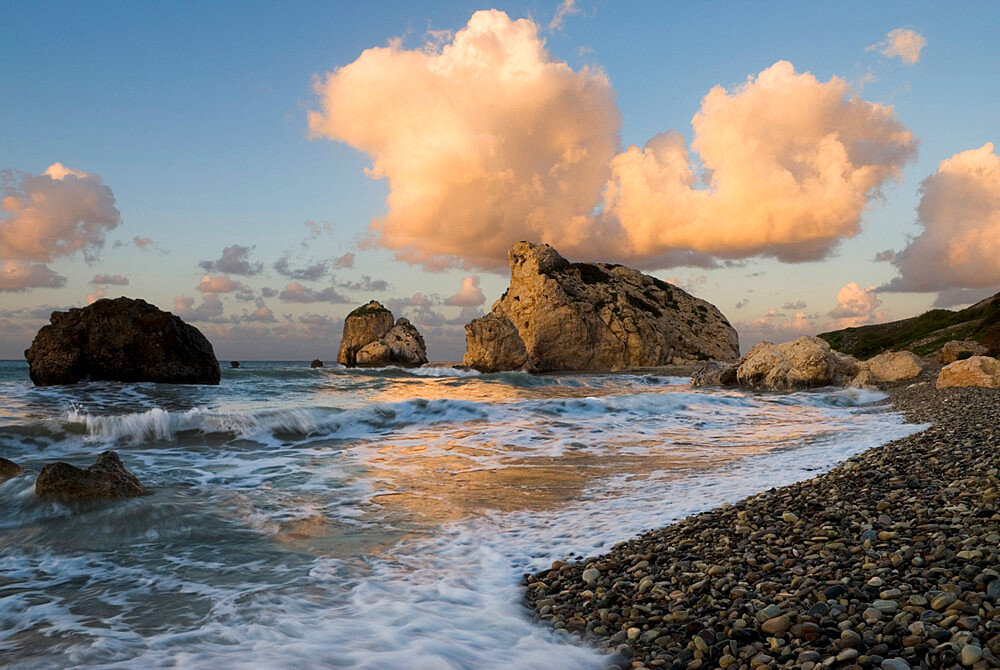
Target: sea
x=363, y=518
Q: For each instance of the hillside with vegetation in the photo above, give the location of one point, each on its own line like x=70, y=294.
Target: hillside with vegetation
x=924, y=334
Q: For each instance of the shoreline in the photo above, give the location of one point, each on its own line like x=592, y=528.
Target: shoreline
x=888, y=560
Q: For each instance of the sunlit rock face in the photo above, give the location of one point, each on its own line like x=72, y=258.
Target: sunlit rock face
x=597, y=316
x=493, y=344
x=807, y=362
x=122, y=340
x=371, y=339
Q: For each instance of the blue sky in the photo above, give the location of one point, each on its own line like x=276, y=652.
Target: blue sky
x=194, y=115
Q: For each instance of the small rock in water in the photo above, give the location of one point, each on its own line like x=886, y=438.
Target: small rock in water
x=317, y=363
x=8, y=469
x=234, y=364
x=107, y=478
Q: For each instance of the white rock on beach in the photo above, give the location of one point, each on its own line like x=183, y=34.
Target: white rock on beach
x=807, y=362
x=893, y=366
x=975, y=371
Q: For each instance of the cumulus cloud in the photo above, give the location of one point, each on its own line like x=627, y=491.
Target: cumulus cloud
x=856, y=306
x=791, y=163
x=901, y=43
x=235, y=260
x=210, y=309
x=54, y=214
x=312, y=272
x=211, y=284
x=17, y=276
x=472, y=171
x=797, y=305
x=469, y=295
x=787, y=163
x=345, y=261
x=296, y=292
x=959, y=213
x=110, y=280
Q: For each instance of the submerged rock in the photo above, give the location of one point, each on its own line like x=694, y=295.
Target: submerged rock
x=317, y=363
x=120, y=340
x=975, y=371
x=371, y=339
x=492, y=344
x=234, y=364
x=807, y=362
x=107, y=478
x=594, y=316
x=8, y=469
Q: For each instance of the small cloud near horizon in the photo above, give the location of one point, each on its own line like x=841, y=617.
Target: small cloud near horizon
x=470, y=295
x=235, y=260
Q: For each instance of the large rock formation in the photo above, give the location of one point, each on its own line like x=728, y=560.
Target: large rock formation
x=371, y=339
x=120, y=340
x=594, y=316
x=807, y=362
x=107, y=478
x=974, y=371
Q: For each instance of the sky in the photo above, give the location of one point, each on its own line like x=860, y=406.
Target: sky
x=260, y=169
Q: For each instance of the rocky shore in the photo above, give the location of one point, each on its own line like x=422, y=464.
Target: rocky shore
x=890, y=560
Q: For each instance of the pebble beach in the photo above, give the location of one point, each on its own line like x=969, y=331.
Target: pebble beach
x=889, y=560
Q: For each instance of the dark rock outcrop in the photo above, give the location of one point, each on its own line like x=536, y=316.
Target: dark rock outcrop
x=120, y=340
x=8, y=469
x=597, y=316
x=107, y=478
x=234, y=364
x=317, y=363
x=372, y=339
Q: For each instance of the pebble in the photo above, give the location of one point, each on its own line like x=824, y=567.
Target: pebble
x=887, y=561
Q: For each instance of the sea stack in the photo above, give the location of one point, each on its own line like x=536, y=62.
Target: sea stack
x=593, y=316
x=371, y=339
x=121, y=340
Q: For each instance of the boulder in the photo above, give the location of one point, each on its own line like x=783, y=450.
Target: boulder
x=975, y=371
x=406, y=344
x=120, y=340
x=893, y=366
x=492, y=344
x=317, y=363
x=8, y=469
x=371, y=339
x=363, y=326
x=953, y=350
x=234, y=364
x=107, y=478
x=598, y=316
x=807, y=362
x=715, y=373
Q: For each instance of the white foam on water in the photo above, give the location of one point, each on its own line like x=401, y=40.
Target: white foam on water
x=213, y=570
